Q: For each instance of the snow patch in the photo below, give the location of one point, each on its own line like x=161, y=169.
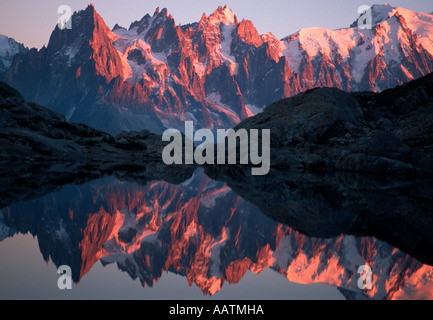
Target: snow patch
x=70, y=54
x=70, y=114
x=421, y=25
x=293, y=54
x=328, y=42
x=128, y=41
x=225, y=48
x=254, y=110
x=215, y=260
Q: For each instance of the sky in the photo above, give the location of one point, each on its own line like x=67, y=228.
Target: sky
x=31, y=22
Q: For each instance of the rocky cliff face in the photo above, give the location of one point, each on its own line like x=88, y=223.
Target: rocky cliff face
x=216, y=72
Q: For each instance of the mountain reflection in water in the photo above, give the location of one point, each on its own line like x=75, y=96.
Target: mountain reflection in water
x=205, y=232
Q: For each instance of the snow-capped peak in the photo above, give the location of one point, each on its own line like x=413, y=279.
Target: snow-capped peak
x=421, y=25
x=382, y=12
x=388, y=38
x=379, y=13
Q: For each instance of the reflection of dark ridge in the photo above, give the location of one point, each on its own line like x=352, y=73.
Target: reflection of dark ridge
x=73, y=225
x=40, y=151
x=398, y=211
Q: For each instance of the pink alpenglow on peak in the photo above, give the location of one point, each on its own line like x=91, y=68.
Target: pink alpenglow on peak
x=216, y=72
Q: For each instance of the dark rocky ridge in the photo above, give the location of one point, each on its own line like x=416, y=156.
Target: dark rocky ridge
x=40, y=152
x=328, y=130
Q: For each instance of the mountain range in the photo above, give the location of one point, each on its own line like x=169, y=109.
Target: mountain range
x=156, y=74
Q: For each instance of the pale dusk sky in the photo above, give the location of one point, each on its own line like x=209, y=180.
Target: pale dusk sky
x=31, y=22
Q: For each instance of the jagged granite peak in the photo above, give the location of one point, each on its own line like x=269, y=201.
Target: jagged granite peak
x=78, y=68
x=223, y=15
x=141, y=22
x=248, y=33
x=88, y=39
x=203, y=18
x=216, y=72
x=116, y=27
